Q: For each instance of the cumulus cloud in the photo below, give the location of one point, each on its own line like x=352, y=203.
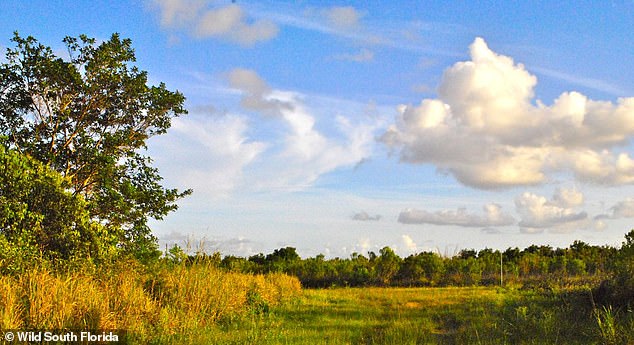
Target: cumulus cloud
x=567, y=197
x=409, y=243
x=227, y=22
x=488, y=131
x=622, y=209
x=364, y=216
x=538, y=213
x=306, y=152
x=493, y=216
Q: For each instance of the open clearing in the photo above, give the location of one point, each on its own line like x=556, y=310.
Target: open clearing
x=419, y=316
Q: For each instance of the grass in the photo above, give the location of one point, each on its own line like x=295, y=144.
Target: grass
x=200, y=304
x=152, y=307
x=431, y=316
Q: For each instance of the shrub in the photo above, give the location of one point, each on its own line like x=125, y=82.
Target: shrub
x=41, y=220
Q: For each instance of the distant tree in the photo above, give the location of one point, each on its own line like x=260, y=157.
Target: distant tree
x=424, y=268
x=89, y=117
x=283, y=260
x=288, y=254
x=387, y=265
x=259, y=259
x=467, y=253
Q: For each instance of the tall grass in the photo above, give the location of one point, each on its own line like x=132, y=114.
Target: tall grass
x=149, y=306
x=430, y=316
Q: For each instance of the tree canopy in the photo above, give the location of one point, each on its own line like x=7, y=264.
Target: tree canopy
x=88, y=117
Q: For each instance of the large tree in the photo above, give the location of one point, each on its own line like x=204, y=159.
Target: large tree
x=88, y=116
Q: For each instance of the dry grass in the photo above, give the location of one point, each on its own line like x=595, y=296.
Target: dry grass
x=160, y=303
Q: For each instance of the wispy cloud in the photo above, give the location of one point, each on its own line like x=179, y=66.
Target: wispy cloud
x=493, y=216
x=203, y=19
x=346, y=17
x=590, y=83
x=208, y=153
x=305, y=153
x=363, y=55
x=350, y=26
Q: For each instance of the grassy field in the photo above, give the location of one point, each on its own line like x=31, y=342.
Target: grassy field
x=203, y=305
x=430, y=316
x=160, y=306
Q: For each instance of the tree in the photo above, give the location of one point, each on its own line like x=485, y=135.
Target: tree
x=88, y=117
x=39, y=218
x=387, y=265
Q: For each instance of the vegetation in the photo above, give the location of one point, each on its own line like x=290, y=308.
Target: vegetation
x=580, y=264
x=476, y=315
x=150, y=305
x=87, y=118
x=41, y=221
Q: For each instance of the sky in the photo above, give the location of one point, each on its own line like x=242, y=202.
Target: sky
x=340, y=127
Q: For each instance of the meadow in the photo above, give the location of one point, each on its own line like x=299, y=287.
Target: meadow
x=202, y=304
x=454, y=315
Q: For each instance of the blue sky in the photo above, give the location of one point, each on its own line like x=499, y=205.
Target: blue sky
x=341, y=127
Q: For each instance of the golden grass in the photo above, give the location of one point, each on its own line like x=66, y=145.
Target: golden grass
x=163, y=302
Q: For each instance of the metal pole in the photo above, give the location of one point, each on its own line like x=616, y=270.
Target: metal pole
x=501, y=270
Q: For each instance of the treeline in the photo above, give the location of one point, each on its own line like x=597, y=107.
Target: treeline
x=607, y=270
x=580, y=262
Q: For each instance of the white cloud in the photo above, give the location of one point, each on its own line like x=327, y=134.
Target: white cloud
x=364, y=216
x=537, y=213
x=622, y=209
x=488, y=131
x=207, y=153
x=493, y=216
x=409, y=243
x=225, y=22
x=345, y=17
x=306, y=152
x=256, y=92
x=567, y=198
x=178, y=13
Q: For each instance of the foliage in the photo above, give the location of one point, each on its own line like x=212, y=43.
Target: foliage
x=536, y=266
x=40, y=219
x=88, y=117
x=149, y=305
x=618, y=290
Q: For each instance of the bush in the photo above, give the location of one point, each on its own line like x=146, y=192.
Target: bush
x=618, y=290
x=40, y=220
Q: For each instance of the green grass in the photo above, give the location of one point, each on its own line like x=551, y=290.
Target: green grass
x=427, y=316
x=203, y=305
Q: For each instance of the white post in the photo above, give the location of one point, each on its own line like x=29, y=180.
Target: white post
x=501, y=270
